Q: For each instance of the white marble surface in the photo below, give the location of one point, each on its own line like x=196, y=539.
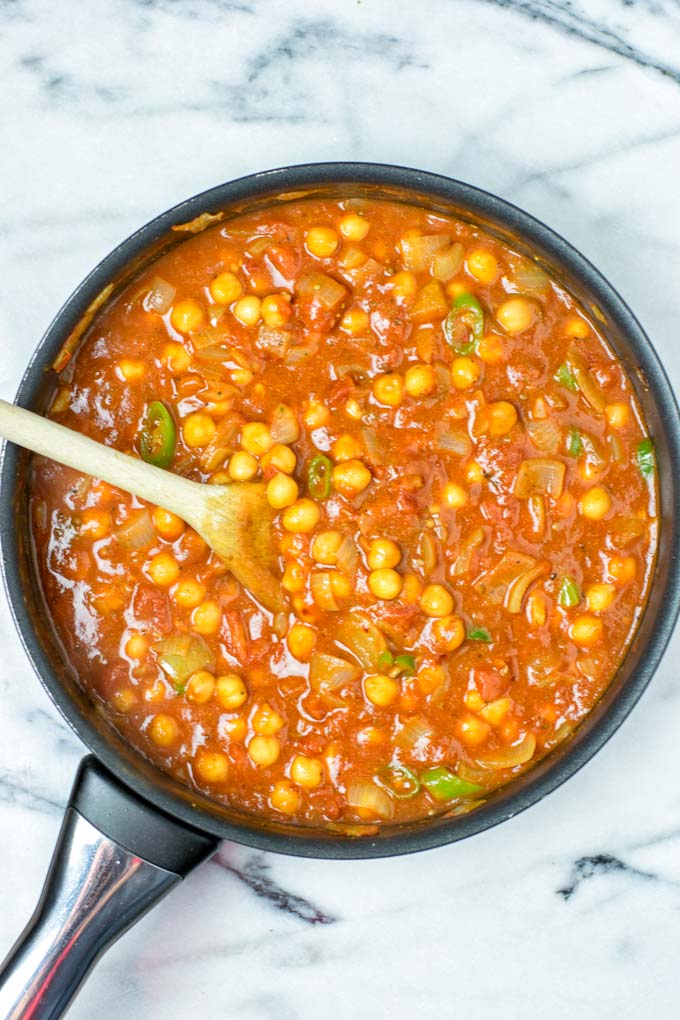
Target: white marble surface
x=110, y=112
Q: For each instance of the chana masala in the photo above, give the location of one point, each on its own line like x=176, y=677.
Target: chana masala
x=465, y=501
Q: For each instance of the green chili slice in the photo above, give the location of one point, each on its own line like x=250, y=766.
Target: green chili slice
x=319, y=477
x=385, y=662
x=464, y=325
x=396, y=666
x=570, y=593
x=400, y=781
x=646, y=461
x=159, y=435
x=443, y=784
x=574, y=443
x=479, y=634
x=406, y=664
x=565, y=377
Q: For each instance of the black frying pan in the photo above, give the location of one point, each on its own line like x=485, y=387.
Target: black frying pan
x=130, y=832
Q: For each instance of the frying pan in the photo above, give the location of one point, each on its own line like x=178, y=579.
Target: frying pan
x=130, y=832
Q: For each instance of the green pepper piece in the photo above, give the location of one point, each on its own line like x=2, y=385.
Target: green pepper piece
x=385, y=662
x=406, y=664
x=319, y=477
x=646, y=461
x=570, y=594
x=464, y=325
x=565, y=377
x=574, y=443
x=400, y=781
x=479, y=634
x=159, y=436
x=443, y=784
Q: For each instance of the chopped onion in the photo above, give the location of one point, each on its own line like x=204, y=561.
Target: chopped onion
x=362, y=638
x=160, y=296
x=296, y=355
x=520, y=586
x=346, y=557
x=321, y=585
x=216, y=352
x=318, y=287
x=530, y=278
x=259, y=244
x=545, y=670
x=369, y=437
x=467, y=550
x=418, y=250
x=430, y=303
x=138, y=531
x=448, y=261
x=368, y=799
x=221, y=445
x=417, y=731
x=428, y=552
x=507, y=758
x=284, y=427
x=625, y=530
x=545, y=435
x=209, y=336
x=615, y=448
x=594, y=456
x=181, y=655
x=585, y=380
x=495, y=583
x=457, y=442
x=329, y=672
x=274, y=341
x=540, y=476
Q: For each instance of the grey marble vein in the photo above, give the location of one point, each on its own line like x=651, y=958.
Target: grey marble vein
x=254, y=872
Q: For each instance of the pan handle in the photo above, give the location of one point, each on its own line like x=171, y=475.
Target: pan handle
x=115, y=858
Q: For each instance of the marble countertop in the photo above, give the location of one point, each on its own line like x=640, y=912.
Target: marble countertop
x=570, y=108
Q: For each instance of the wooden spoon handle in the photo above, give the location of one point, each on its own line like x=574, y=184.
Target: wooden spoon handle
x=49, y=439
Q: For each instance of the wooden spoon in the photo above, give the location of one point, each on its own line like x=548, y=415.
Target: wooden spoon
x=235, y=520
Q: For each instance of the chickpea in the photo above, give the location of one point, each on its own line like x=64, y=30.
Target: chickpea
x=266, y=720
x=599, y=597
x=449, y=632
x=281, y=458
x=411, y=591
x=383, y=552
x=242, y=466
x=256, y=437
x=294, y=578
x=403, y=284
x=381, y=690
x=502, y=417
x=164, y=730
x=389, y=389
x=595, y=503
x=496, y=711
x=189, y=593
x=285, y=798
x=420, y=381
x=176, y=358
x=474, y=473
x=282, y=491
x=307, y=772
x=617, y=415
x=346, y=447
x=236, y=728
x=198, y=429
x=211, y=766
x=385, y=583
x=231, y=691
x=264, y=751
x=276, y=310
x=537, y=612
x=95, y=524
x=354, y=227
x=163, y=569
x=226, y=288
x=321, y=242
x=169, y=526
x=622, y=569
x=576, y=327
x=200, y=687
x=136, y=646
x=301, y=517
x=187, y=316
x=351, y=477
x=436, y=601
x=454, y=496
x=483, y=265
x=325, y=547
x=340, y=584
x=353, y=409
x=355, y=321
x=301, y=641
x=471, y=730
x=130, y=370
x=474, y=701
x=465, y=372
x=490, y=349
x=316, y=414
x=247, y=310
x=207, y=617
x=586, y=630
x=124, y=699
x=517, y=314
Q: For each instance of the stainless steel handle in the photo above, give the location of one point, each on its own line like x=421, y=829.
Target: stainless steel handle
x=96, y=888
